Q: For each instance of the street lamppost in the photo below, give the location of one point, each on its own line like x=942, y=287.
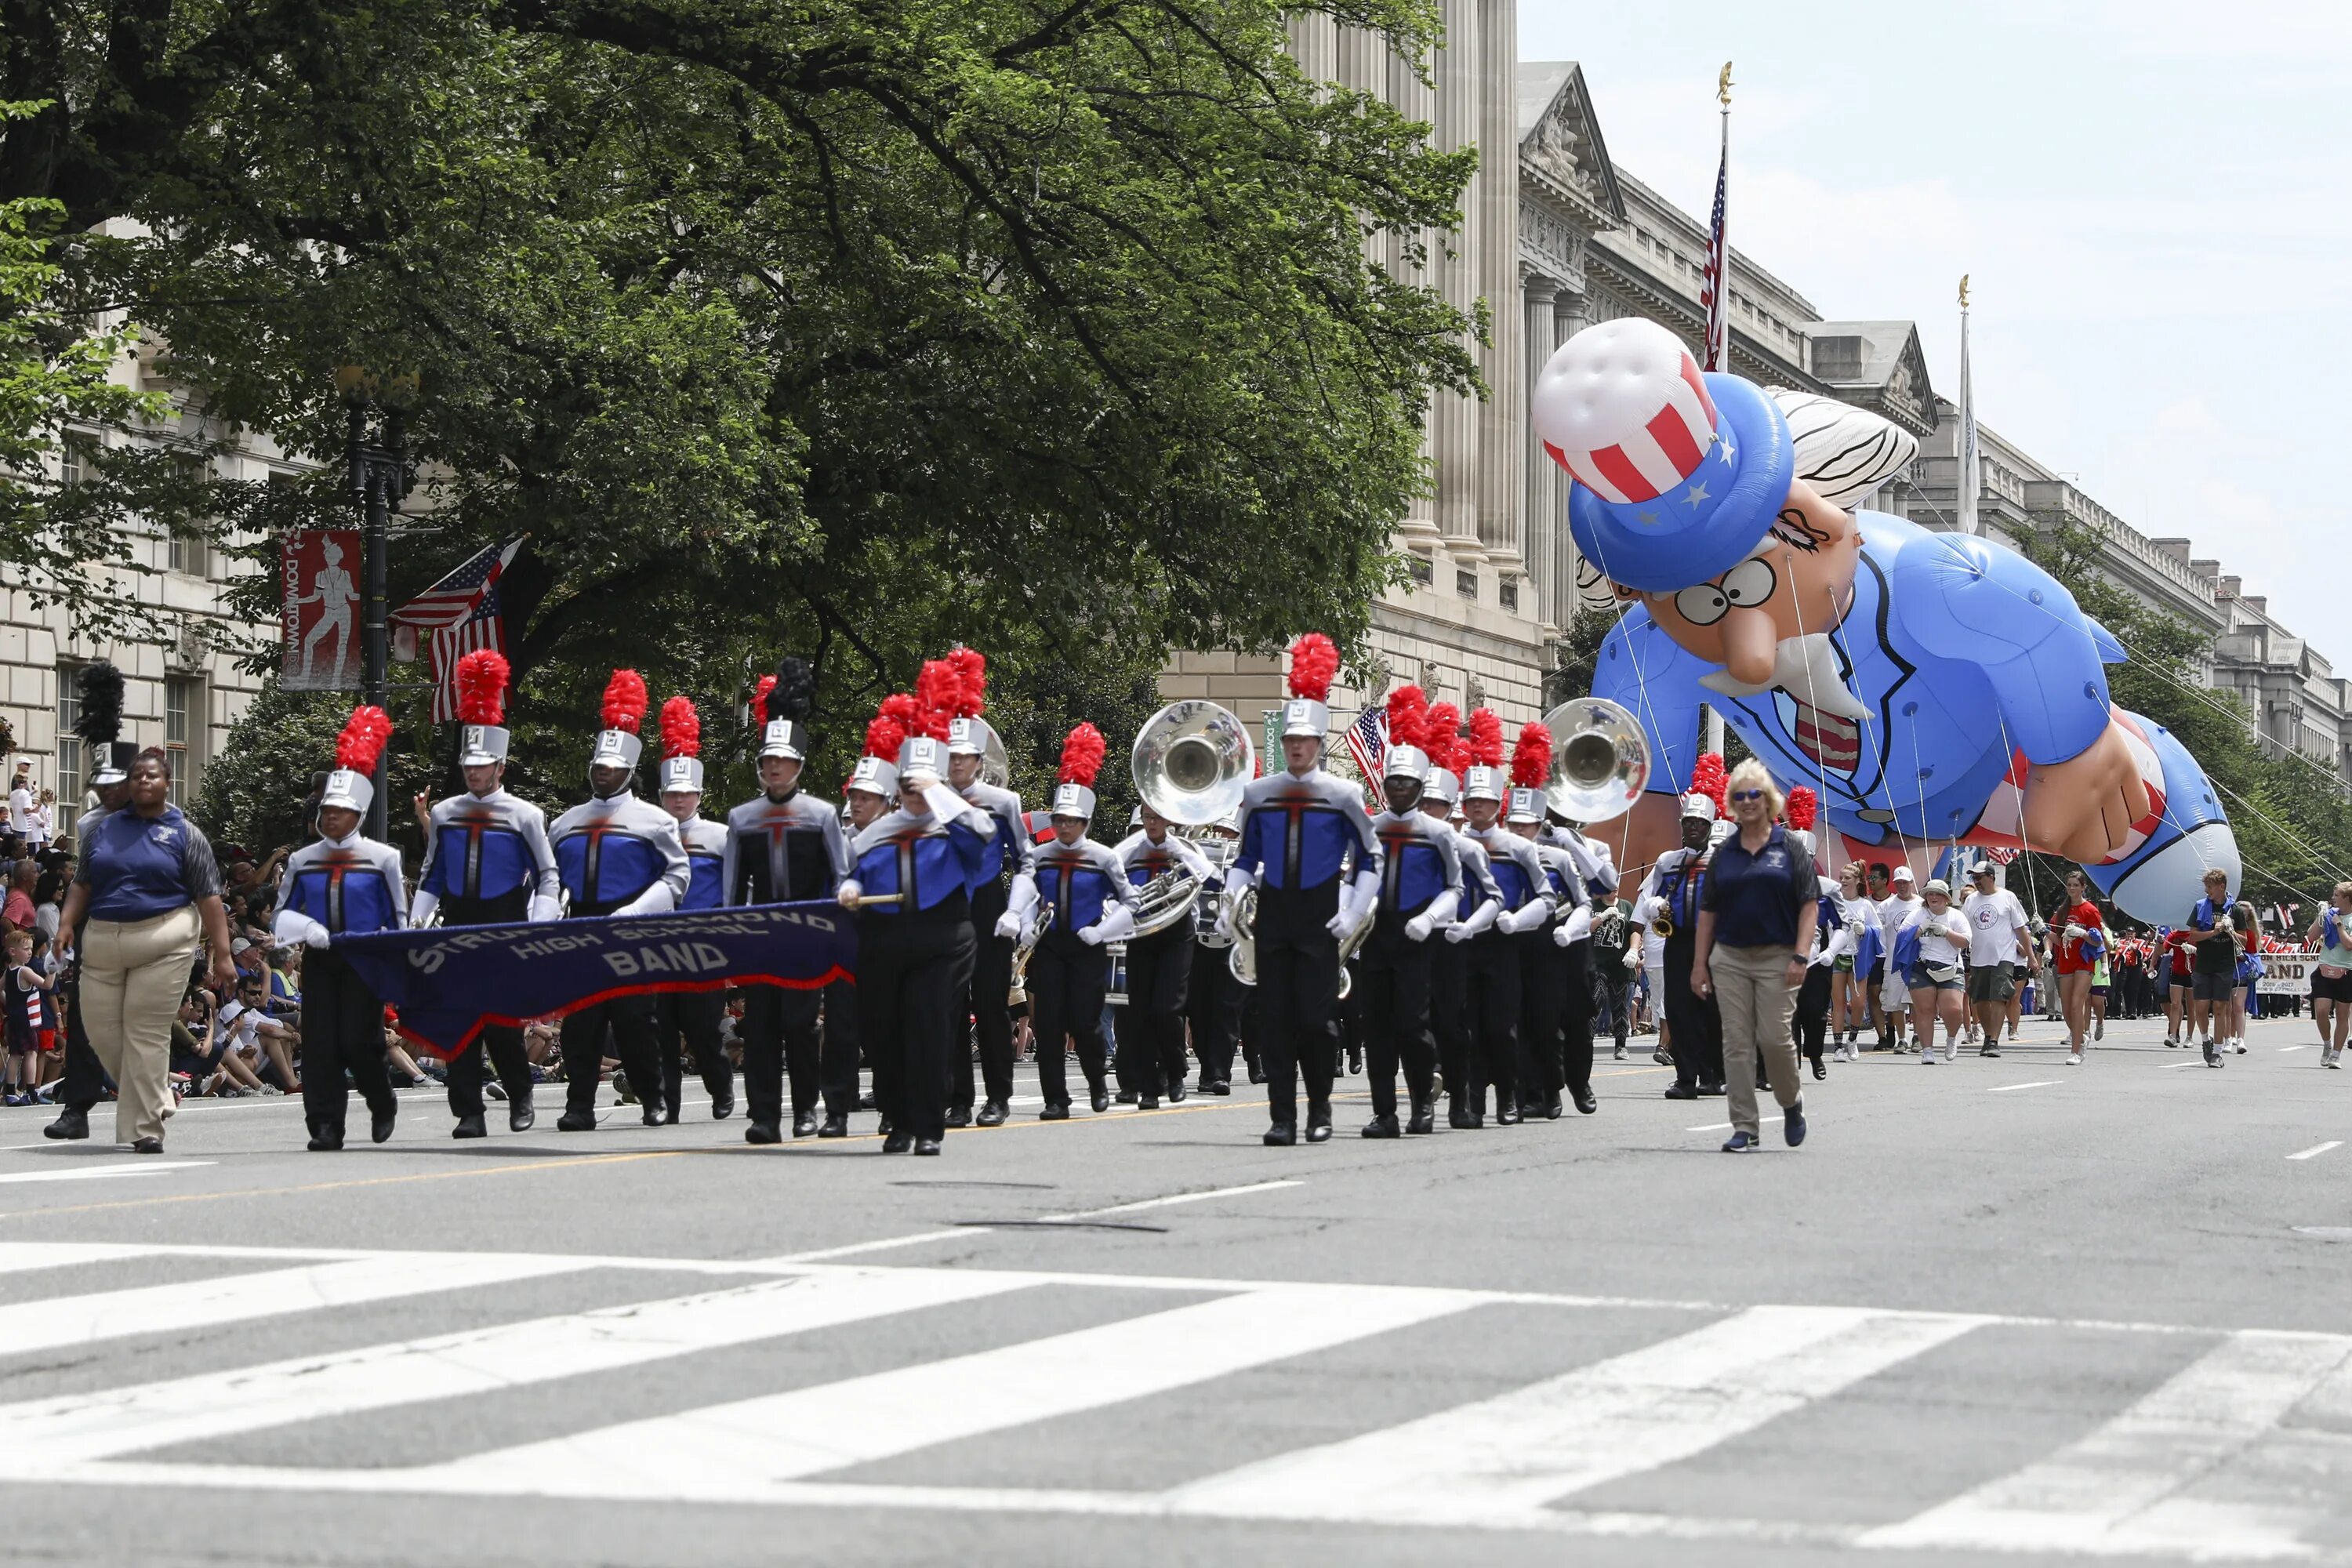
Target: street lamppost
x=379, y=478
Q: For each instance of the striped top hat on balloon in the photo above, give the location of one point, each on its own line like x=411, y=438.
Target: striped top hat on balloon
x=481, y=682
x=1407, y=755
x=1082, y=760
x=1679, y=474
x=1483, y=779
x=617, y=745
x=681, y=738
x=1530, y=765
x=352, y=786
x=781, y=705
x=1313, y=660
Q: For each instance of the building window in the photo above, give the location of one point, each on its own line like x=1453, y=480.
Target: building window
x=184, y=698
x=1419, y=569
x=1466, y=584
x=190, y=555
x=70, y=771
x=1507, y=591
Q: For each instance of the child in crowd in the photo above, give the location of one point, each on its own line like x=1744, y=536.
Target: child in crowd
x=22, y=990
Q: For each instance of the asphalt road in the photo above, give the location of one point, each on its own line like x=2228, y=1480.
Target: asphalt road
x=1990, y=1309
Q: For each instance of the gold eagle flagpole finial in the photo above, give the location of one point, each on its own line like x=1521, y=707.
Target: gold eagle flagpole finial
x=1964, y=290
x=1723, y=85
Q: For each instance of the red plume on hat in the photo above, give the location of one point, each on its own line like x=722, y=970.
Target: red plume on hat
x=1708, y=778
x=1442, y=738
x=760, y=698
x=1409, y=718
x=1531, y=759
x=624, y=700
x=887, y=730
x=681, y=729
x=937, y=688
x=361, y=741
x=971, y=681
x=1486, y=738
x=1313, y=662
x=481, y=685
x=1082, y=756
x=1803, y=806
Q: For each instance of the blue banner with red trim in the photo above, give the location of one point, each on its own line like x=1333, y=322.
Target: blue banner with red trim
x=447, y=982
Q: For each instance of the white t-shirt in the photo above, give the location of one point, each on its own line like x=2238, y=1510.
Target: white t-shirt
x=241, y=1023
x=1892, y=912
x=20, y=809
x=1995, y=918
x=1937, y=944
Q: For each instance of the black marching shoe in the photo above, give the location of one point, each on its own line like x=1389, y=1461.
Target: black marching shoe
x=722, y=1104
x=1220, y=1086
x=1382, y=1126
x=1054, y=1113
x=1355, y=1061
x=762, y=1133
x=379, y=1126
x=326, y=1140
x=1821, y=1070
x=652, y=1117
x=471, y=1127
x=1507, y=1109
x=898, y=1143
x=1124, y=1097
x=834, y=1125
x=960, y=1116
x=148, y=1146
x=1176, y=1092
x=1710, y=1089
x=804, y=1125
x=1462, y=1119
x=1554, y=1108
x=1586, y=1102
x=991, y=1114
x=1281, y=1136
x=570, y=1122
x=73, y=1122
x=1792, y=1123
x=521, y=1116
x=1256, y=1074
x=1423, y=1118
x=669, y=1118
x=1681, y=1092
x=1319, y=1123
x=1101, y=1101
x=927, y=1145
x=1148, y=1102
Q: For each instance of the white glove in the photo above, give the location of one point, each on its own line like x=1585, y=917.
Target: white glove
x=1008, y=926
x=1632, y=958
x=543, y=908
x=1418, y=928
x=1563, y=936
x=848, y=893
x=2075, y=932
x=291, y=927
x=1340, y=925
x=1457, y=933
x=1092, y=935
x=1513, y=921
x=422, y=907
x=1223, y=930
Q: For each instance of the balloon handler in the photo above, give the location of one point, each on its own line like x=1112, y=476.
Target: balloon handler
x=1931, y=687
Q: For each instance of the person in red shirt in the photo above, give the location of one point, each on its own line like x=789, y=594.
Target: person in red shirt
x=2074, y=965
x=19, y=909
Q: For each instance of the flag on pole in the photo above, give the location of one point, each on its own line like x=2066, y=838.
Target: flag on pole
x=1715, y=287
x=1368, y=743
x=1970, y=467
x=462, y=612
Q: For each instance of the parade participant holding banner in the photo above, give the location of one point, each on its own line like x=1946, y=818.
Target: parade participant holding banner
x=785, y=845
x=618, y=856
x=342, y=884
x=487, y=862
x=689, y=1020
x=910, y=880
x=1084, y=899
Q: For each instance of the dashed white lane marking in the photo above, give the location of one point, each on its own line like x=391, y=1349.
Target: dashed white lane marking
x=96, y=1172
x=2317, y=1150
x=2038, y=1083
x=2295, y=1047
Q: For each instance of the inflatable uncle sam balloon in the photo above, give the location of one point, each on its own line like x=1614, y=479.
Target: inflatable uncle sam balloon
x=1931, y=687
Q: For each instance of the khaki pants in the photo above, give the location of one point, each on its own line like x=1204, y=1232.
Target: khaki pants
x=133, y=975
x=1753, y=993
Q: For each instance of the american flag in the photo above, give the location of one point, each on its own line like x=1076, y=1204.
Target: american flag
x=464, y=613
x=1712, y=289
x=1368, y=743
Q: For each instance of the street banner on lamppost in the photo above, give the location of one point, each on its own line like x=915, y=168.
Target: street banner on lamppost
x=318, y=619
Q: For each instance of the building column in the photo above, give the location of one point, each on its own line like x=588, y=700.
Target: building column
x=1416, y=102
x=1539, y=296
x=1457, y=416
x=1503, y=421
x=1570, y=314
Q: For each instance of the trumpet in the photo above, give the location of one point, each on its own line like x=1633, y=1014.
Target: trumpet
x=1662, y=926
x=1018, y=992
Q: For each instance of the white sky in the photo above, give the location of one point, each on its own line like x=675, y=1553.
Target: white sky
x=2153, y=199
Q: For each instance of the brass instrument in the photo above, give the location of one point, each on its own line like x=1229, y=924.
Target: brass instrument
x=1662, y=926
x=1162, y=901
x=1019, y=994
x=1242, y=962
x=1191, y=761
x=1600, y=760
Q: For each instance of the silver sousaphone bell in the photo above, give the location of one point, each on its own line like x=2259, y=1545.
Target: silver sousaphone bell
x=1600, y=760
x=1191, y=761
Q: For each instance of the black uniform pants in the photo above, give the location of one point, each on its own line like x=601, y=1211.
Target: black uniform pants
x=1693, y=1022
x=1159, y=975
x=1297, y=987
x=1812, y=1016
x=1449, y=1010
x=343, y=1030
x=1612, y=985
x=837, y=1057
x=84, y=1083
x=1067, y=981
x=780, y=1041
x=910, y=978
x=1393, y=980
x=688, y=1021
x=628, y=1023
x=992, y=982
x=1491, y=977
x=1576, y=1032
x=1541, y=978
x=501, y=1042
x=1212, y=1002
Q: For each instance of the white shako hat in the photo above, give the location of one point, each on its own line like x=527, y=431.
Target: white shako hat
x=781, y=704
x=482, y=684
x=1082, y=760
x=617, y=743
x=875, y=775
x=1442, y=786
x=681, y=738
x=1313, y=660
x=1485, y=778
x=350, y=786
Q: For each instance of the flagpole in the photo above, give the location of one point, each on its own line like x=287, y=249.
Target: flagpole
x=1717, y=325
x=1965, y=449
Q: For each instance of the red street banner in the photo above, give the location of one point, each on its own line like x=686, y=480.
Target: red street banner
x=319, y=622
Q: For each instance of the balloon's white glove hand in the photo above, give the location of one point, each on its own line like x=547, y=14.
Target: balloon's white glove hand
x=1008, y=926
x=1418, y=928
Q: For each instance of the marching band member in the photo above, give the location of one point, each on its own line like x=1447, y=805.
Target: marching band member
x=618, y=856
x=692, y=1017
x=1086, y=899
x=1159, y=966
x=1551, y=962
x=784, y=846
x=1420, y=885
x=1213, y=999
x=1587, y=882
x=1674, y=889
x=342, y=884
x=871, y=789
x=487, y=862
x=909, y=879
x=1493, y=965
x=1449, y=985
x=1001, y=908
x=1302, y=832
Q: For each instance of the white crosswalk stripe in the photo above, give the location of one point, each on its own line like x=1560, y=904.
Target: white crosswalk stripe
x=2236, y=1455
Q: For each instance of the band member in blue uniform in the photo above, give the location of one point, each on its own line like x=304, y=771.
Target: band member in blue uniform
x=1307, y=848
x=1084, y=899
x=1671, y=892
x=1004, y=899
x=785, y=845
x=618, y=856
x=1493, y=967
x=911, y=875
x=1159, y=966
x=487, y=862
x=342, y=884
x=1421, y=886
x=687, y=1021
x=870, y=793
x=1212, y=998
x=1449, y=985
x=1551, y=958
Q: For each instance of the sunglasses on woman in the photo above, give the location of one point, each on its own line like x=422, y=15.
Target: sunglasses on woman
x=1748, y=794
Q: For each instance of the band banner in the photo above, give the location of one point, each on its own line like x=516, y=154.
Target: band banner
x=447, y=982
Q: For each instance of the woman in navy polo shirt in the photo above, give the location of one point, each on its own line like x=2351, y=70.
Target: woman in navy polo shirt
x=1754, y=935
x=147, y=885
